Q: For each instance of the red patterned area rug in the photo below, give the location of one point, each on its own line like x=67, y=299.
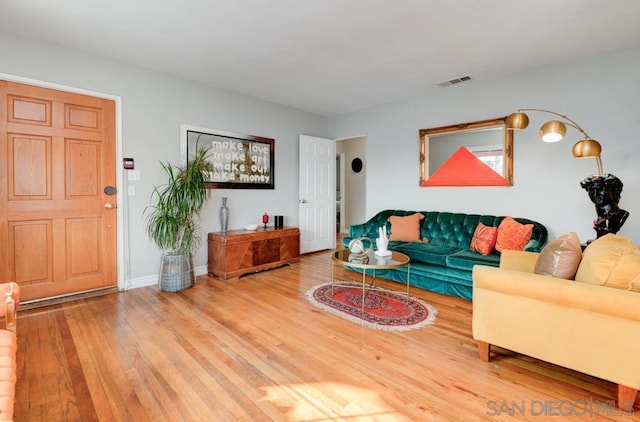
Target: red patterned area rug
x=384, y=309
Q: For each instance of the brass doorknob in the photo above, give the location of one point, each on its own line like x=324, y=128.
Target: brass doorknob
x=109, y=206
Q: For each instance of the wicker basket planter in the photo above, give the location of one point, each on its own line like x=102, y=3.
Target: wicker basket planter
x=176, y=272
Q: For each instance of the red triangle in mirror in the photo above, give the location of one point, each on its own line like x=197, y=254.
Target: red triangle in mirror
x=463, y=168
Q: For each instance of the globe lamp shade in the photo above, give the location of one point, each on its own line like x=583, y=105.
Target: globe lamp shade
x=552, y=131
x=517, y=121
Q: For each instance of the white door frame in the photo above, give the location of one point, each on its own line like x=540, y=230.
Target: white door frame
x=123, y=271
x=343, y=189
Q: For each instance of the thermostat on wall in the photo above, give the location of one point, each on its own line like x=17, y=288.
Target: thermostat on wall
x=128, y=163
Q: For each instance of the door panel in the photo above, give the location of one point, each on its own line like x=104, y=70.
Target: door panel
x=58, y=153
x=83, y=117
x=82, y=159
x=29, y=161
x=29, y=264
x=83, y=246
x=28, y=110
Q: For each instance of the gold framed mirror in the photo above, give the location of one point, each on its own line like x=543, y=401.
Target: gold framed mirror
x=467, y=154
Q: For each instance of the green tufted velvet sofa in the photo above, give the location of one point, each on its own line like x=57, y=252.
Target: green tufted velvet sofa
x=443, y=264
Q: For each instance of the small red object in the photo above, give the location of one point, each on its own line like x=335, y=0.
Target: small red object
x=265, y=219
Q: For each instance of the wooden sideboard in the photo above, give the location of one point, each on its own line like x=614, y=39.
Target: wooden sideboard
x=239, y=252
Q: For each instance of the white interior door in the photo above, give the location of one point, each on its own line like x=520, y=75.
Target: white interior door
x=316, y=199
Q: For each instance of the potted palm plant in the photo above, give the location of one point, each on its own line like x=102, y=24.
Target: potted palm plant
x=173, y=219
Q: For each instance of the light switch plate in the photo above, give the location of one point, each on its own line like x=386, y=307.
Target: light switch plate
x=133, y=175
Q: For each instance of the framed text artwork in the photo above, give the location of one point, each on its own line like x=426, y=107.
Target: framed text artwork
x=237, y=161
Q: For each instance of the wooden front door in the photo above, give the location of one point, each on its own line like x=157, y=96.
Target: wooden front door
x=57, y=220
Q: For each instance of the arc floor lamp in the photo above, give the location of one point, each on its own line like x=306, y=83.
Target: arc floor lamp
x=555, y=130
x=604, y=189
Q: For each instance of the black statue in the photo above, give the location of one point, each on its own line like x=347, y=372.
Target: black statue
x=604, y=192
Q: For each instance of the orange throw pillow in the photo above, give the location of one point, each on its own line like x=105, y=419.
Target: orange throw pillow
x=405, y=229
x=484, y=239
x=513, y=235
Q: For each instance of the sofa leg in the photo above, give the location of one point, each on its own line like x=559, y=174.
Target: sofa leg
x=484, y=349
x=626, y=397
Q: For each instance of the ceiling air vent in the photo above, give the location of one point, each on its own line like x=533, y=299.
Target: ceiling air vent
x=455, y=81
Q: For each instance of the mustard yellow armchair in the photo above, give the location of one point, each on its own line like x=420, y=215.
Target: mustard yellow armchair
x=558, y=321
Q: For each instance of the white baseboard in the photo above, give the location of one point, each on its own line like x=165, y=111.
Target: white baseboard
x=151, y=280
x=201, y=270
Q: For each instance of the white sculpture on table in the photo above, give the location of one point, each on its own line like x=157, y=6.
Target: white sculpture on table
x=359, y=249
x=382, y=242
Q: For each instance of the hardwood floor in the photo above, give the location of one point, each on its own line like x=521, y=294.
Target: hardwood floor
x=256, y=350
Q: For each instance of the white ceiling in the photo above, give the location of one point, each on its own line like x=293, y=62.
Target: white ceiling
x=330, y=56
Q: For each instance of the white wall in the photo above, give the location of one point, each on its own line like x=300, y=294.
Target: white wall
x=154, y=105
x=601, y=93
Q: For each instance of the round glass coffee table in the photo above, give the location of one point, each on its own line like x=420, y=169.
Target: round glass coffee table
x=370, y=262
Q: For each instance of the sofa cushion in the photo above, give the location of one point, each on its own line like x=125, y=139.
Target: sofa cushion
x=484, y=239
x=465, y=260
x=406, y=229
x=613, y=261
x=560, y=258
x=426, y=253
x=513, y=235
